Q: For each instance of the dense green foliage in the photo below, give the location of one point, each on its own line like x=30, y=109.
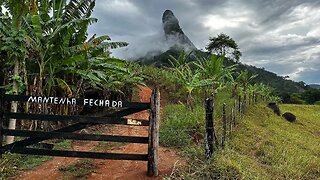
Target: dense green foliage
x=311, y=96
x=282, y=86
x=53, y=54
x=57, y=53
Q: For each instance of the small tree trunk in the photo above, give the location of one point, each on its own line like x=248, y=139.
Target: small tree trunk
x=14, y=104
x=190, y=101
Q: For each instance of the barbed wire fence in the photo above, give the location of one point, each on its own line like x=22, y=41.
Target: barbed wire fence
x=221, y=123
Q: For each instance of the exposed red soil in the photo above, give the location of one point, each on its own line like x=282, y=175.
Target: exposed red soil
x=113, y=169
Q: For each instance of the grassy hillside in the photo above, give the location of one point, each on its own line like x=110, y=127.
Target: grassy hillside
x=267, y=146
x=264, y=146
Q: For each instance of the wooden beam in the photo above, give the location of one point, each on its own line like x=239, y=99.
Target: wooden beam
x=154, y=121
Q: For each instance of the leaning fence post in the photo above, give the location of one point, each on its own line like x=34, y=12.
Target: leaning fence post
x=209, y=127
x=224, y=118
x=154, y=122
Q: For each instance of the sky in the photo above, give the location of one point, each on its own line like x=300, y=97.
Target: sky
x=282, y=36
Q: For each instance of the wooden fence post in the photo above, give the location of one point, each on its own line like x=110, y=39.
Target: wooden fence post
x=154, y=122
x=224, y=118
x=235, y=113
x=231, y=122
x=240, y=110
x=209, y=127
x=239, y=104
x=244, y=104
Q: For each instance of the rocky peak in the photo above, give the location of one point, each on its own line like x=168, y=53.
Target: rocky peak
x=174, y=33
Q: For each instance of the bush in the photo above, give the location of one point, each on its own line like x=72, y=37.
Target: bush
x=296, y=99
x=180, y=125
x=317, y=103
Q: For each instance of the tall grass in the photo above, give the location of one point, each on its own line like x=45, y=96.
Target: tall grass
x=263, y=146
x=181, y=127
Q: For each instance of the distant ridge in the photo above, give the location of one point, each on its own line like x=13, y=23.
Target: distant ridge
x=314, y=86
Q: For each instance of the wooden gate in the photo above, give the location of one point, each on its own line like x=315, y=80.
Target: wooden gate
x=81, y=122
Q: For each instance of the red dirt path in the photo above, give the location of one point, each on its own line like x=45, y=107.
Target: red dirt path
x=113, y=169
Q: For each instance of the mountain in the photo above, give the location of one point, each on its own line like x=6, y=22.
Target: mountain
x=174, y=33
x=179, y=41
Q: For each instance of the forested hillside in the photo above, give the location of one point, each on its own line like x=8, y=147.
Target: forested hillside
x=283, y=87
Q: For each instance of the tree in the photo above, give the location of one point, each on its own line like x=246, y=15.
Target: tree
x=13, y=44
x=224, y=45
x=311, y=96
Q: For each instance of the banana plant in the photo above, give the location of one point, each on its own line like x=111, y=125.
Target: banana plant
x=212, y=69
x=54, y=37
x=244, y=79
x=187, y=77
x=252, y=91
x=264, y=91
x=275, y=99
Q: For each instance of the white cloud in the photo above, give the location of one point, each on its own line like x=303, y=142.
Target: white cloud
x=282, y=36
x=217, y=22
x=124, y=7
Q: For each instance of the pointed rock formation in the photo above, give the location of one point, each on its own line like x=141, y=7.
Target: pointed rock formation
x=174, y=33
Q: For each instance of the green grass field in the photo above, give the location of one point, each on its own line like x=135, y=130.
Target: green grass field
x=264, y=146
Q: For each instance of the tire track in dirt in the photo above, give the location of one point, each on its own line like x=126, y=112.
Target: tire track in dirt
x=113, y=169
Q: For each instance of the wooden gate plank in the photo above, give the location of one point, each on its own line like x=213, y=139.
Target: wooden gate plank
x=79, y=101
x=75, y=136
x=80, y=154
x=82, y=119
